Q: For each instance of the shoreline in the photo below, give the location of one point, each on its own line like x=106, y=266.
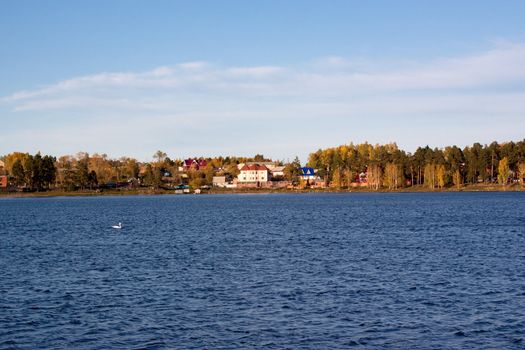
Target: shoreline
x=146, y=192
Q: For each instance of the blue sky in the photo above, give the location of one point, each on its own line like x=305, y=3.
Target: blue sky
x=281, y=78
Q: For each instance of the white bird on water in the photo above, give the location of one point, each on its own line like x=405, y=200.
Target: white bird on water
x=119, y=226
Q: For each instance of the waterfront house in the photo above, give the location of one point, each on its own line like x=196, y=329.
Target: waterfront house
x=277, y=172
x=3, y=182
x=307, y=174
x=194, y=164
x=219, y=181
x=254, y=173
x=3, y=170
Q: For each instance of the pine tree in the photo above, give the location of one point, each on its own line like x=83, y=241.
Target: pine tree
x=18, y=173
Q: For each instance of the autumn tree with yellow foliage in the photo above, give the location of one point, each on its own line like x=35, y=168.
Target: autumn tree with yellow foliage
x=503, y=171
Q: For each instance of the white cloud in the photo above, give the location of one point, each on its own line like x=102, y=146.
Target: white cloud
x=162, y=71
x=195, y=65
x=255, y=72
x=356, y=95
x=498, y=67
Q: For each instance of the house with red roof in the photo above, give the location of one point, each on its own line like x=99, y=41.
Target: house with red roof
x=253, y=173
x=194, y=164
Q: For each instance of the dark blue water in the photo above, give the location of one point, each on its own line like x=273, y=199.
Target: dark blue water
x=316, y=271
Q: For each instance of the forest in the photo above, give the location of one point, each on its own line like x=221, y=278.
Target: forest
x=390, y=167
x=97, y=171
x=377, y=167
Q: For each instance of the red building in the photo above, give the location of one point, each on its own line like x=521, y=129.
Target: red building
x=194, y=164
x=3, y=182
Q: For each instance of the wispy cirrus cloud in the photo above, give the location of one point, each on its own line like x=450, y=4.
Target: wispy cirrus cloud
x=340, y=91
x=332, y=76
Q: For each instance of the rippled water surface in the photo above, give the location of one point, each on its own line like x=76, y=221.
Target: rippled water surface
x=312, y=271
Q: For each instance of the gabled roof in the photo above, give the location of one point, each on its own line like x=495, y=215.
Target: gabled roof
x=254, y=167
x=193, y=162
x=189, y=161
x=306, y=171
x=278, y=168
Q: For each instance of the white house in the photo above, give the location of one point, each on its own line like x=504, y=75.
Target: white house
x=219, y=181
x=253, y=173
x=277, y=171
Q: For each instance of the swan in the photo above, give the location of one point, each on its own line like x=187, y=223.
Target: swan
x=119, y=226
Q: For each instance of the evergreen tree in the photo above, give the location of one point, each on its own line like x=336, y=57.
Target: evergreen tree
x=83, y=172
x=92, y=180
x=48, y=171
x=18, y=173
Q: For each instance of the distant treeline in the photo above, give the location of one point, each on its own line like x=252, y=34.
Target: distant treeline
x=84, y=171
x=376, y=166
x=388, y=166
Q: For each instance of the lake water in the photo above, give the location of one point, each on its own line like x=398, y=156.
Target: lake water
x=306, y=271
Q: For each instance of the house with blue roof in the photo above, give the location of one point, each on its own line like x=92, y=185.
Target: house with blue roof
x=307, y=174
